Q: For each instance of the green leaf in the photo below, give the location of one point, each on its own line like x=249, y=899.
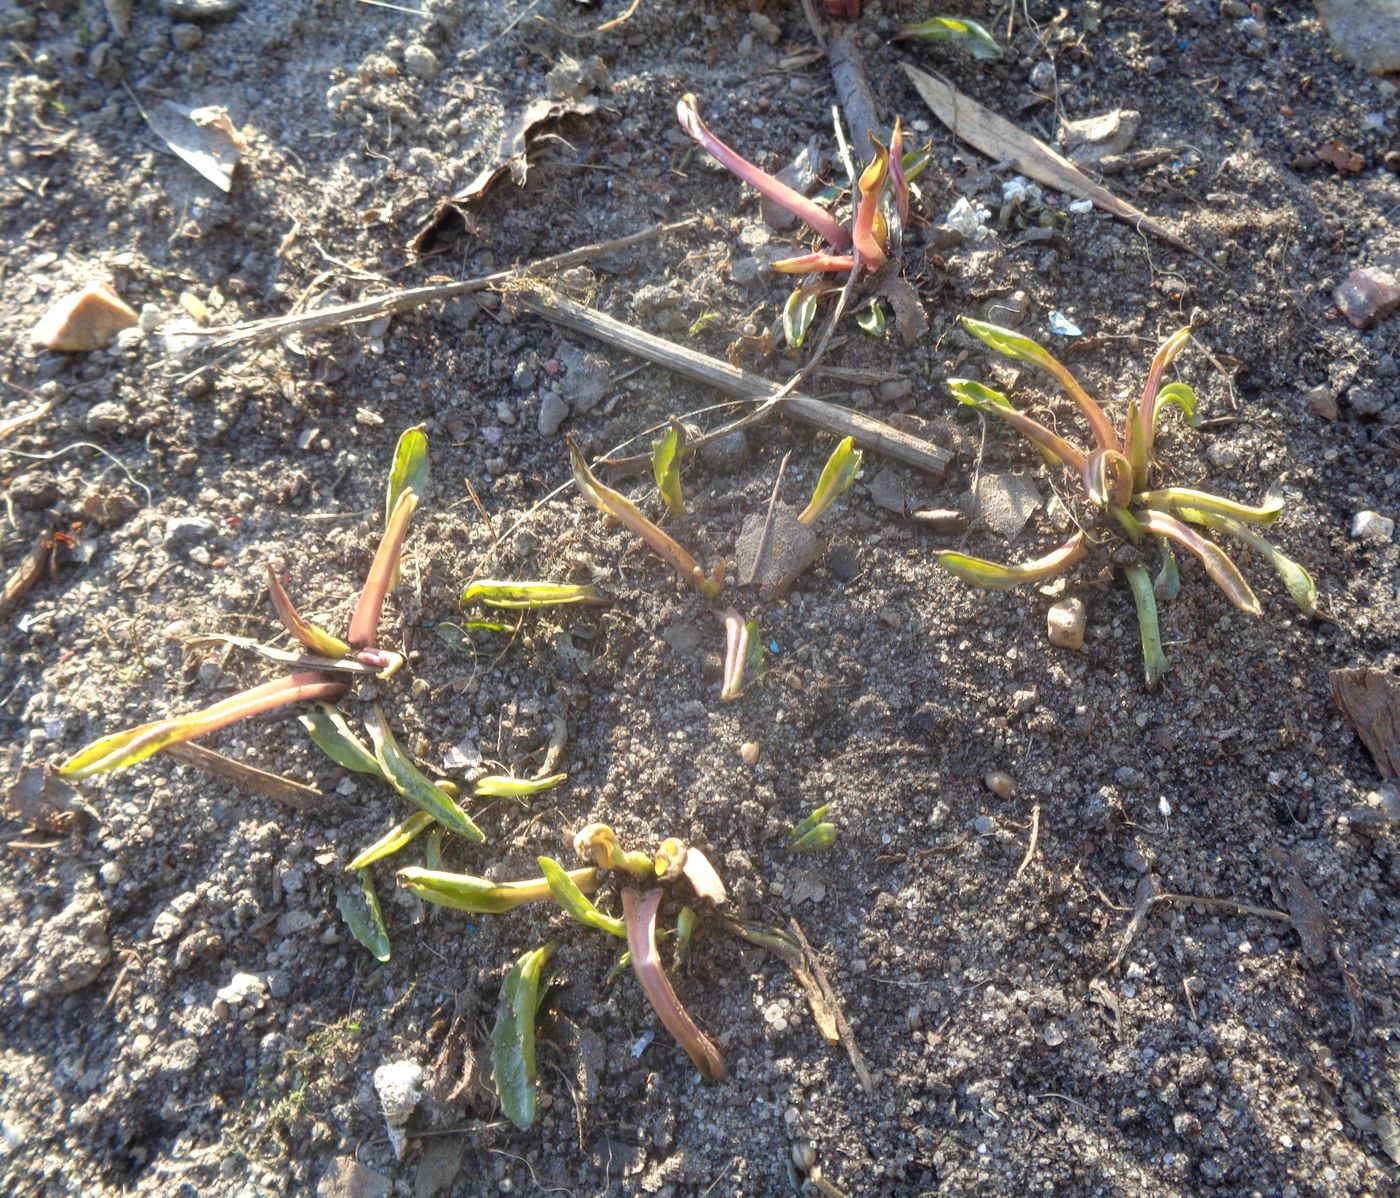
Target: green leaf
x=513, y=1036
x=836, y=477
x=992, y=575
x=798, y=314
x=666, y=455
x=516, y=595
x=1184, y=398
x=432, y=851
x=1301, y=587
x=1223, y=572
x=392, y=840
x=801, y=829
x=703, y=322
x=331, y=734
x=412, y=783
x=464, y=892
x=1154, y=661
x=501, y=786
x=1176, y=498
x=973, y=37
x=575, y=902
x=818, y=840
x=364, y=917
x=410, y=468
x=987, y=400
x=757, y=654
x=1168, y=583
x=685, y=928
x=873, y=320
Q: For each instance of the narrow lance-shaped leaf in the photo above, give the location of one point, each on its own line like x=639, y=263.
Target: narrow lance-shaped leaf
x=619, y=507
x=818, y=840
x=1301, y=587
x=502, y=786
x=870, y=233
x=121, y=749
x=1146, y=412
x=318, y=640
x=802, y=827
x=575, y=903
x=736, y=655
x=837, y=475
x=753, y=667
x=364, y=623
x=412, y=783
x=432, y=851
x=1023, y=349
x=994, y=403
x=1177, y=498
x=408, y=473
x=639, y=913
x=1223, y=572
x=798, y=313
x=992, y=575
x=1184, y=398
x=1168, y=582
x=779, y=192
x=973, y=37
x=513, y=1063
x=392, y=840
x=464, y=892
x=899, y=179
x=817, y=263
x=666, y=457
x=526, y=595
x=364, y=917
x=1154, y=661
x=331, y=734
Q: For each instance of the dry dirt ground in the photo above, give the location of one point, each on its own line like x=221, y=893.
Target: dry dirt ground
x=1229, y=1051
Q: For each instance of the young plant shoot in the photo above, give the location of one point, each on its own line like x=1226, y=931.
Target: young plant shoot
x=1115, y=478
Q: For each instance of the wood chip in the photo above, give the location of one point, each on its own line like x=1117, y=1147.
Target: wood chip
x=1370, y=700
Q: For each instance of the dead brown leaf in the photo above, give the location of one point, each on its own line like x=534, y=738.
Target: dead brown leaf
x=998, y=138
x=1370, y=700
x=1337, y=156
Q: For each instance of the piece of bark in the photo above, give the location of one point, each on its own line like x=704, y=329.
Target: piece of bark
x=1370, y=700
x=853, y=92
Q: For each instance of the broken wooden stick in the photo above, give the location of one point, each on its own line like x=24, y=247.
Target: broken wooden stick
x=868, y=432
x=416, y=297
x=249, y=777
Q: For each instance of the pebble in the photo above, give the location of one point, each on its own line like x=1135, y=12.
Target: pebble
x=1065, y=622
x=726, y=454
x=1042, y=76
x=984, y=825
x=107, y=419
x=244, y=988
x=1000, y=783
x=1221, y=455
x=33, y=490
x=1321, y=401
x=553, y=412
x=110, y=872
x=749, y=751
x=184, y=531
x=399, y=1086
x=1367, y=295
x=1368, y=401
x=1371, y=526
x=201, y=10
x=84, y=320
x=421, y=61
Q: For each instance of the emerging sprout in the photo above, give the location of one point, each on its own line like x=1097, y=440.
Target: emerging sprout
x=598, y=843
x=969, y=34
x=813, y=834
x=620, y=508
x=499, y=786
x=837, y=475
x=1115, y=478
x=666, y=457
x=736, y=655
x=392, y=840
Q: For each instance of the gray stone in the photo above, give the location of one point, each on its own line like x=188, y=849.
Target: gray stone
x=107, y=419
x=1369, y=401
x=33, y=490
x=1005, y=502
x=201, y=10
x=587, y=377
x=553, y=412
x=1095, y=137
x=72, y=948
x=184, y=531
x=421, y=61
x=726, y=454
x=347, y=1178
x=1367, y=295
x=792, y=548
x=1366, y=31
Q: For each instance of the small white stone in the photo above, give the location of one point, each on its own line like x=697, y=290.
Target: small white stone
x=399, y=1085
x=1371, y=526
x=1065, y=621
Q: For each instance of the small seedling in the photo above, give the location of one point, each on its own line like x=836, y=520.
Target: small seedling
x=666, y=457
x=364, y=917
x=813, y=834
x=619, y=507
x=122, y=749
x=513, y=1036
x=1114, y=477
x=464, y=892
x=502, y=786
x=836, y=478
x=736, y=655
